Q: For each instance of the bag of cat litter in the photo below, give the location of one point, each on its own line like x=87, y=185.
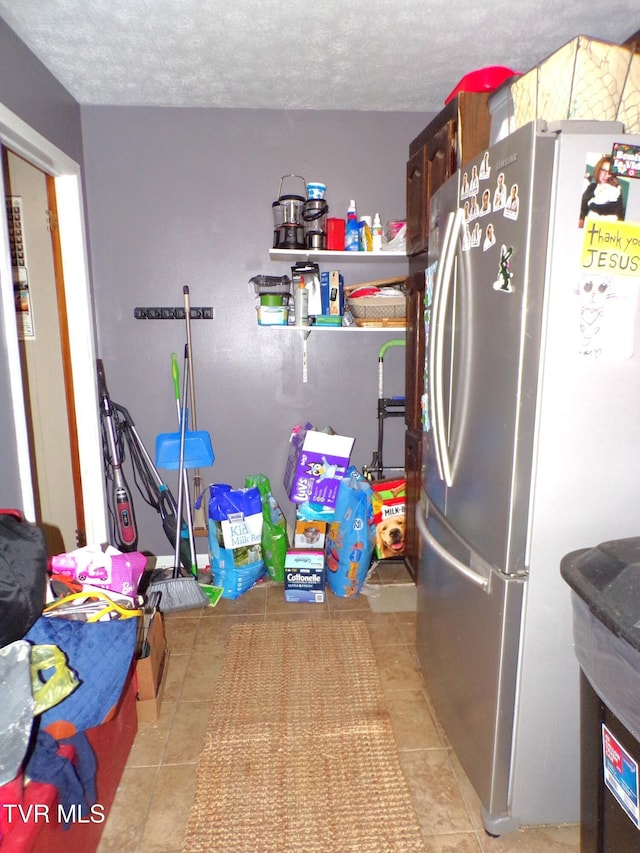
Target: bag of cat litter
x=235, y=538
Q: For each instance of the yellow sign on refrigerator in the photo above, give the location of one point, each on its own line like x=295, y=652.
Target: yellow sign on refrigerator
x=611, y=248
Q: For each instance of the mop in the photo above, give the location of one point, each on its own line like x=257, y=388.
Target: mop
x=179, y=592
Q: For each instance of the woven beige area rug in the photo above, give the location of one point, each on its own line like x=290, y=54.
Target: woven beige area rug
x=300, y=755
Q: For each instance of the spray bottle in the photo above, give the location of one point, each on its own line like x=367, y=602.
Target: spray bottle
x=376, y=234
x=352, y=236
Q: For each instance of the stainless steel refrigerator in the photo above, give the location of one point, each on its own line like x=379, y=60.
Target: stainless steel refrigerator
x=531, y=446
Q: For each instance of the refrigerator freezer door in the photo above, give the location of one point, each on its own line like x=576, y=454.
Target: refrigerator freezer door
x=483, y=356
x=467, y=640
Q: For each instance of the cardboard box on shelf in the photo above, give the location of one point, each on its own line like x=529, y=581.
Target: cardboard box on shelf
x=304, y=576
x=332, y=292
x=151, y=673
x=336, y=293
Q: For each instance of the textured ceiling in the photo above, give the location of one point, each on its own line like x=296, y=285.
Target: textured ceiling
x=299, y=54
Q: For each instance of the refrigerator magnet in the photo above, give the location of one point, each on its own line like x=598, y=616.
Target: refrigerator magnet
x=489, y=237
x=485, y=168
x=474, y=183
x=505, y=276
x=500, y=194
x=625, y=160
x=464, y=189
x=512, y=204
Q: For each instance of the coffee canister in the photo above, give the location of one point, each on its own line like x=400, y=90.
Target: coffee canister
x=335, y=234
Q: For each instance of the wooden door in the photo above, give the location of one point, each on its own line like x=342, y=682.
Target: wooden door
x=414, y=352
x=413, y=468
x=44, y=353
x=441, y=158
x=417, y=222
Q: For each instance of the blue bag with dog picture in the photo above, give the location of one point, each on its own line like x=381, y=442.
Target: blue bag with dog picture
x=350, y=536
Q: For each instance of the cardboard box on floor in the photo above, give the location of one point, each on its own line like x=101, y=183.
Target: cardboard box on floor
x=309, y=534
x=151, y=673
x=316, y=464
x=304, y=575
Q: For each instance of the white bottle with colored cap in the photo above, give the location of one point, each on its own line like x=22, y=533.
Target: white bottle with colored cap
x=376, y=234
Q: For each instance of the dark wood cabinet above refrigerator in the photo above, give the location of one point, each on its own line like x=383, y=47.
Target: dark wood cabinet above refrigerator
x=457, y=134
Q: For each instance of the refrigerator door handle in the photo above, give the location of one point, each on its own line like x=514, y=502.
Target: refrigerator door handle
x=440, y=551
x=444, y=279
x=435, y=397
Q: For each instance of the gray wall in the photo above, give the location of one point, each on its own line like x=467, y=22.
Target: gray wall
x=183, y=196
x=33, y=93
x=30, y=91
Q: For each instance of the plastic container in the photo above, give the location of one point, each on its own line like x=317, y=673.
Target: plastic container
x=273, y=315
x=335, y=234
x=316, y=190
x=352, y=232
x=605, y=583
x=274, y=284
x=273, y=300
x=482, y=80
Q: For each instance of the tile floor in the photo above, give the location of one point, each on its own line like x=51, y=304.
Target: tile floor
x=153, y=800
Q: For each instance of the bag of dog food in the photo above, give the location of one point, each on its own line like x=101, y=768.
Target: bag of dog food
x=235, y=538
x=389, y=507
x=274, y=528
x=350, y=537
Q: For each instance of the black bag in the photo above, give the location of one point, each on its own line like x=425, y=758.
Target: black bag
x=23, y=575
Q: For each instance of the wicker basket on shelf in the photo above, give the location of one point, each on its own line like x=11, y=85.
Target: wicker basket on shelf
x=379, y=307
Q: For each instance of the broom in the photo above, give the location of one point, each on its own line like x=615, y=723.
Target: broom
x=178, y=592
x=199, y=518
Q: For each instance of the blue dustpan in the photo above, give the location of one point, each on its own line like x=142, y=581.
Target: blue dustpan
x=198, y=452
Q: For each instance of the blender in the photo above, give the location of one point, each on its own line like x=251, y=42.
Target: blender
x=314, y=214
x=287, y=214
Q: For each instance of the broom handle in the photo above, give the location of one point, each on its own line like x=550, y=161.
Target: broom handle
x=187, y=315
x=199, y=517
x=181, y=479
x=192, y=541
x=181, y=405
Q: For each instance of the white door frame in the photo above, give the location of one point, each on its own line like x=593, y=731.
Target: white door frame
x=24, y=140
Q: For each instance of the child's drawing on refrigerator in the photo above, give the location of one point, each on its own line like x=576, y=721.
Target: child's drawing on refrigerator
x=605, y=316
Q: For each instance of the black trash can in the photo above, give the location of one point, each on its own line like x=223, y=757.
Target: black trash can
x=605, y=584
